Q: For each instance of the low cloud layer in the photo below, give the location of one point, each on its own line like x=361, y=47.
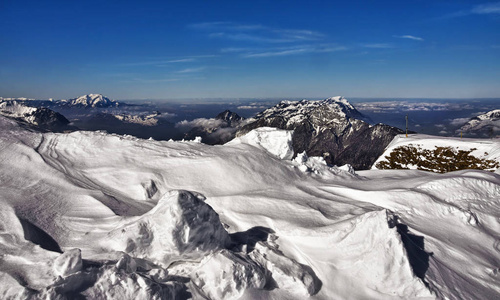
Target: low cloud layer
x=459, y=121
x=211, y=123
x=398, y=106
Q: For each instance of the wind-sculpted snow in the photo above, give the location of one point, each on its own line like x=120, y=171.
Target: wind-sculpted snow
x=180, y=227
x=275, y=141
x=99, y=216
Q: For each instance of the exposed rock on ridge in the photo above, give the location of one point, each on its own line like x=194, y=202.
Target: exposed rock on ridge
x=330, y=128
x=39, y=118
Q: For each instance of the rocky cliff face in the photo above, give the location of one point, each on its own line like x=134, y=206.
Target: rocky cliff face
x=331, y=128
x=230, y=117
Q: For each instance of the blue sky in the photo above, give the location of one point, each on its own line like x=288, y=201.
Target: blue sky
x=197, y=49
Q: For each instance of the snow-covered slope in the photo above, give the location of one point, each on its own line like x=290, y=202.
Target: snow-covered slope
x=487, y=124
x=485, y=149
x=105, y=216
x=275, y=141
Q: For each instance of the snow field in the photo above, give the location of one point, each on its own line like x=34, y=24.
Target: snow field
x=144, y=219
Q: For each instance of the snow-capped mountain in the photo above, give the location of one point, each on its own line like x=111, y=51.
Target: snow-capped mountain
x=331, y=128
x=38, y=117
x=487, y=124
x=320, y=112
x=90, y=101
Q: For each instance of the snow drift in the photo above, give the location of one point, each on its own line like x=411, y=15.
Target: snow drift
x=94, y=215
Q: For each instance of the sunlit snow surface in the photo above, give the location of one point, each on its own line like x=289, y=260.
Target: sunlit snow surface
x=488, y=149
x=142, y=219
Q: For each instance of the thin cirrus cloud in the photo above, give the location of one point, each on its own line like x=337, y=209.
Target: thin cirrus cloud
x=489, y=8
x=481, y=9
x=410, y=37
x=255, y=32
x=191, y=70
x=378, y=46
x=248, y=37
x=153, y=80
x=166, y=62
x=157, y=62
x=292, y=51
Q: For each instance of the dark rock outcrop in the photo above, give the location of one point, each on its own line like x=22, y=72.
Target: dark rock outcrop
x=39, y=118
x=331, y=128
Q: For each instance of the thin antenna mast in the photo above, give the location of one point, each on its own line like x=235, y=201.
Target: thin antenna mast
x=406, y=117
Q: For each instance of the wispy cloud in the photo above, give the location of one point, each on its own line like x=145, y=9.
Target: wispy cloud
x=180, y=60
x=378, y=46
x=277, y=53
x=301, y=35
x=489, y=8
x=248, y=37
x=481, y=9
x=154, y=80
x=160, y=62
x=255, y=32
x=411, y=37
x=226, y=26
x=191, y=70
x=294, y=50
x=235, y=50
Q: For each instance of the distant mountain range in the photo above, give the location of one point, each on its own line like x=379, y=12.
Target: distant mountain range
x=85, y=101
x=487, y=124
x=331, y=128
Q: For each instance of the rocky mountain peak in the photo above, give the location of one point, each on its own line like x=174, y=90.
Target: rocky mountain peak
x=228, y=116
x=92, y=100
x=331, y=128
